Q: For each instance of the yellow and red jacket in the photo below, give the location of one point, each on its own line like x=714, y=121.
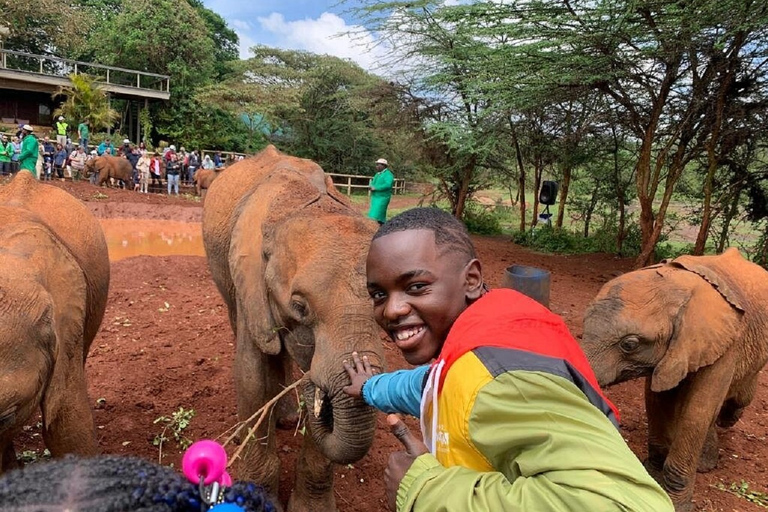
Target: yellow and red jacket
x=515, y=421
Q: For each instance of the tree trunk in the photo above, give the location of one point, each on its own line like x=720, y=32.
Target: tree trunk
x=537, y=173
x=591, y=209
x=521, y=177
x=564, y=185
x=728, y=215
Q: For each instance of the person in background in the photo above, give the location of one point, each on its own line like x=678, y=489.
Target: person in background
x=106, y=147
x=217, y=161
x=208, y=163
x=15, y=154
x=192, y=165
x=144, y=175
x=509, y=422
x=59, y=160
x=61, y=131
x=132, y=154
x=172, y=171
x=29, y=150
x=48, y=151
x=77, y=162
x=5, y=155
x=155, y=168
x=94, y=177
x=84, y=133
x=125, y=149
x=113, y=483
x=381, y=191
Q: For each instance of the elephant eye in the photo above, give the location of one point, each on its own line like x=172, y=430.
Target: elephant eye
x=300, y=308
x=629, y=344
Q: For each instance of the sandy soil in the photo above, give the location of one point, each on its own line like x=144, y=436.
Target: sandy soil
x=165, y=343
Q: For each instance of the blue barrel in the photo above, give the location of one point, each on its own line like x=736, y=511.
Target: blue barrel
x=530, y=281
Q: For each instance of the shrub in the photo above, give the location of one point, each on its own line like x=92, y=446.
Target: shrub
x=481, y=221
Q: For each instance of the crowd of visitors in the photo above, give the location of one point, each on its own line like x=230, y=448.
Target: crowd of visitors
x=66, y=159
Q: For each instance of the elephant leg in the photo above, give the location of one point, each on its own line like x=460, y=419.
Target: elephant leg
x=701, y=397
x=660, y=410
x=256, y=377
x=67, y=417
x=9, y=460
x=710, y=452
x=287, y=409
x=733, y=407
x=314, y=481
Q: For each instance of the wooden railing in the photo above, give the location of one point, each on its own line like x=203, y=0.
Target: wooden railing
x=349, y=182
x=59, y=67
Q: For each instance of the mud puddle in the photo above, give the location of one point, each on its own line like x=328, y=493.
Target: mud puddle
x=140, y=237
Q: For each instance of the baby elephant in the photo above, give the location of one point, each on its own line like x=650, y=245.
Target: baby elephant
x=695, y=327
x=54, y=279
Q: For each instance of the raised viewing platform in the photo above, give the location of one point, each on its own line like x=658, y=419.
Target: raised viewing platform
x=43, y=73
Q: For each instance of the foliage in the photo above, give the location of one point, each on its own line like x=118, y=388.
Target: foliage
x=314, y=106
x=44, y=27
x=175, y=425
x=743, y=491
x=481, y=221
x=85, y=99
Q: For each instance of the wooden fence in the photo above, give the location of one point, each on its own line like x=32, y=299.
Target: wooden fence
x=350, y=182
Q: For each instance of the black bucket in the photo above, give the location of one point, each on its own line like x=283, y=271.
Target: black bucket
x=530, y=281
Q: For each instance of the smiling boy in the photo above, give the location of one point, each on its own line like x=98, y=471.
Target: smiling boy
x=511, y=413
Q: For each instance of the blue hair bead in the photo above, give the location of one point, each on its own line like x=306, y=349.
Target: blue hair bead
x=226, y=507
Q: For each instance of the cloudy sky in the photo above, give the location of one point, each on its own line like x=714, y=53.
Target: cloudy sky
x=317, y=26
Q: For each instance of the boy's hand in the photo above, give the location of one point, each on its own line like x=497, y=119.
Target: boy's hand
x=358, y=374
x=400, y=462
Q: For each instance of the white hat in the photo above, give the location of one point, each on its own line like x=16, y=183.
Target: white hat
x=382, y=161
x=126, y=141
x=61, y=118
x=173, y=148
x=28, y=128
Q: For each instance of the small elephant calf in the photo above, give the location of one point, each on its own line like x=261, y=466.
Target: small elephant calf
x=695, y=328
x=54, y=279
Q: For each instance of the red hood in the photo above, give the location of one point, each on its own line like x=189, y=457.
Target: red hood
x=505, y=318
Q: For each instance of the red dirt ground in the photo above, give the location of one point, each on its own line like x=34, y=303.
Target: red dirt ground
x=149, y=359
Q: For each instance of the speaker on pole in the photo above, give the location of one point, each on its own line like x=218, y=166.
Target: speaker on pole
x=548, y=193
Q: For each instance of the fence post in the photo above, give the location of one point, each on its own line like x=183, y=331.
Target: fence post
x=349, y=185
x=41, y=65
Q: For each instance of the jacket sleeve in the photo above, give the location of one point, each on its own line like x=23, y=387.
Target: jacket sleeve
x=551, y=450
x=398, y=391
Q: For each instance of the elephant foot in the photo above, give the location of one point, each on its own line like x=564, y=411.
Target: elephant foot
x=655, y=470
x=685, y=506
x=710, y=453
x=729, y=415
x=300, y=502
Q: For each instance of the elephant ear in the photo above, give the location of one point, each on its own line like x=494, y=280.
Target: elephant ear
x=248, y=260
x=705, y=326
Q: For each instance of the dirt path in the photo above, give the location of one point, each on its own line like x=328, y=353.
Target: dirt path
x=165, y=343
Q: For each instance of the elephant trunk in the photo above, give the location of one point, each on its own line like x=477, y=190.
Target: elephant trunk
x=343, y=427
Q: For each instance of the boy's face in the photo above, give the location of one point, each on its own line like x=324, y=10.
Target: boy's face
x=418, y=290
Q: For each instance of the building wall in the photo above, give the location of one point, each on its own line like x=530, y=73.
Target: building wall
x=26, y=107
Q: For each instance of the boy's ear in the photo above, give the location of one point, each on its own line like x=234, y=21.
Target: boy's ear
x=473, y=280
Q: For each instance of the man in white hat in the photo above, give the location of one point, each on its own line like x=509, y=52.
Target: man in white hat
x=61, y=131
x=29, y=150
x=381, y=191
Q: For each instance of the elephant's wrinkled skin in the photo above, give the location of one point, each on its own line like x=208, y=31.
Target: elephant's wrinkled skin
x=54, y=279
x=695, y=328
x=203, y=180
x=115, y=167
x=287, y=252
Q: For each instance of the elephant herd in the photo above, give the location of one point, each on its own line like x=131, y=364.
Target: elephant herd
x=287, y=253
x=113, y=168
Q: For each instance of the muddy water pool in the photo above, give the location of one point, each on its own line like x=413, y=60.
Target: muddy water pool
x=137, y=237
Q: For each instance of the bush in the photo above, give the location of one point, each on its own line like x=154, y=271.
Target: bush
x=481, y=221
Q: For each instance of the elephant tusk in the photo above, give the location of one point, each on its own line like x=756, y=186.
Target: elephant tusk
x=318, y=403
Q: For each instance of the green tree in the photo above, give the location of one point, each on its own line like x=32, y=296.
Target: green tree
x=85, y=99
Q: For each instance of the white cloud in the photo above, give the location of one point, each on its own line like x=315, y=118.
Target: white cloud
x=240, y=24
x=246, y=42
x=327, y=34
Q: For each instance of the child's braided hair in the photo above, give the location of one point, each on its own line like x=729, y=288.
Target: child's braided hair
x=113, y=484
